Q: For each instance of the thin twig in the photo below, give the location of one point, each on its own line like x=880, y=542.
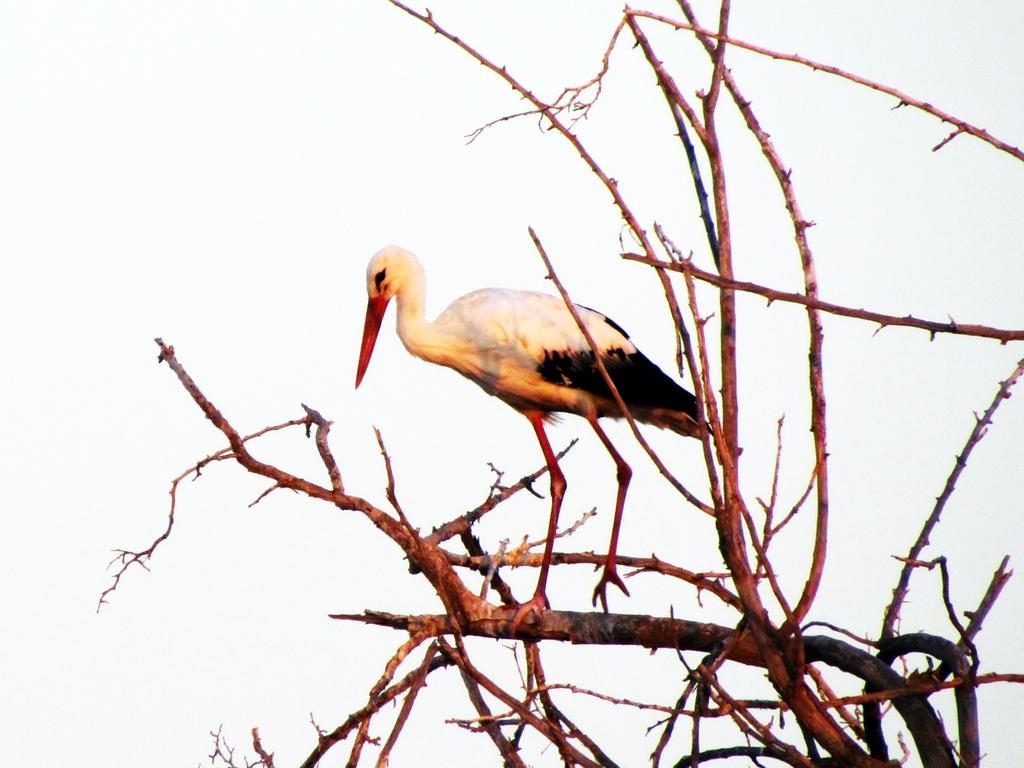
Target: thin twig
x=749, y=724
x=681, y=109
x=555, y=714
x=128, y=558
x=417, y=683
x=923, y=685
x=488, y=723
x=463, y=523
x=977, y=616
x=541, y=725
x=378, y=699
x=883, y=320
x=670, y=722
x=626, y=702
x=704, y=580
x=266, y=758
x=708, y=411
x=981, y=425
x=323, y=428
x=769, y=507
x=962, y=126
x=389, y=490
x=797, y=505
x=826, y=693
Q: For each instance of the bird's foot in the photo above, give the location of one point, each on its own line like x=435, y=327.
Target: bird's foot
x=536, y=605
x=608, y=576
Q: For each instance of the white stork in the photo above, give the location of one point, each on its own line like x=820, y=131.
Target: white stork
x=526, y=349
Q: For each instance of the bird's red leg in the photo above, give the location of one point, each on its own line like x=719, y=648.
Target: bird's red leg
x=624, y=473
x=539, y=601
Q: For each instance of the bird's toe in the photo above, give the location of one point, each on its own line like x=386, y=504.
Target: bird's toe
x=608, y=576
x=536, y=605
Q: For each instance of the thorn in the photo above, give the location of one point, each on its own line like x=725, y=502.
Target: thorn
x=528, y=485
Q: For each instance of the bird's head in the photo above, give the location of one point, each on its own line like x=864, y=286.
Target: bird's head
x=387, y=274
x=389, y=270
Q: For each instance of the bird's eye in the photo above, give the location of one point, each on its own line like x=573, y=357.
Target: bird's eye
x=378, y=279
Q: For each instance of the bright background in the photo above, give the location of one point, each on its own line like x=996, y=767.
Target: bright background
x=219, y=173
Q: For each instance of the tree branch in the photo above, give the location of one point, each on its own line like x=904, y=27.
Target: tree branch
x=899, y=593
x=961, y=126
x=883, y=320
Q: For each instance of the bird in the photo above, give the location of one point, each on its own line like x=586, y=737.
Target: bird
x=525, y=348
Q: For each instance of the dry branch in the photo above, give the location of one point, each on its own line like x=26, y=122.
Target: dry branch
x=710, y=582
x=881, y=319
x=126, y=558
x=981, y=425
x=960, y=126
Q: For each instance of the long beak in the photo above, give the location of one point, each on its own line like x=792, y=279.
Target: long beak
x=374, y=315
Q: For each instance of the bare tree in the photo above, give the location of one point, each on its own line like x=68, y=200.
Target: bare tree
x=838, y=717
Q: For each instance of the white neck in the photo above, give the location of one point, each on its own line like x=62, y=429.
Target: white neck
x=419, y=336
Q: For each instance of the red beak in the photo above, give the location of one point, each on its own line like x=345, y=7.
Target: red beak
x=374, y=315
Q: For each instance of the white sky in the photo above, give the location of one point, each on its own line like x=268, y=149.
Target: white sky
x=219, y=173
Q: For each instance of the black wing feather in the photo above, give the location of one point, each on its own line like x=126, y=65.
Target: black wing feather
x=639, y=381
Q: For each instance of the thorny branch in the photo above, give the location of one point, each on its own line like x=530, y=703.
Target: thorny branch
x=960, y=126
x=981, y=425
x=464, y=523
x=882, y=320
x=125, y=558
